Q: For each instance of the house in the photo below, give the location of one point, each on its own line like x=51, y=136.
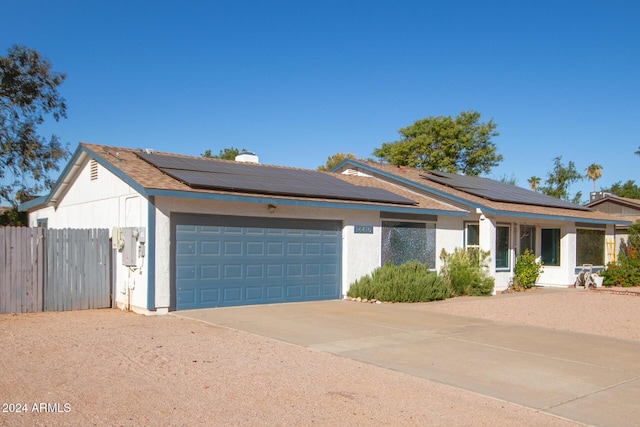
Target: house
x=190, y=232
x=623, y=208
x=505, y=220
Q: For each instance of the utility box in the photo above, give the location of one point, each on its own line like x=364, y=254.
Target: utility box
x=130, y=248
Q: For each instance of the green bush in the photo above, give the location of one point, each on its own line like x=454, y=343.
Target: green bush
x=625, y=272
x=526, y=271
x=465, y=272
x=409, y=282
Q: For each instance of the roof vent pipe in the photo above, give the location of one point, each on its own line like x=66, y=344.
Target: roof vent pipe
x=247, y=157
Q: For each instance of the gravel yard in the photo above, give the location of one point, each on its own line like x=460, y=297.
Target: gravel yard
x=108, y=367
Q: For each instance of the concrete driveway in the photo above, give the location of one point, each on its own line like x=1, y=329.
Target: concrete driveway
x=585, y=378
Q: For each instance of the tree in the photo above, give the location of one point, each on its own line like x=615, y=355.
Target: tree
x=559, y=181
x=534, y=182
x=594, y=172
x=629, y=189
x=456, y=145
x=225, y=154
x=28, y=93
x=12, y=216
x=511, y=180
x=335, y=160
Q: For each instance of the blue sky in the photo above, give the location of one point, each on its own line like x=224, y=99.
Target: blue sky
x=297, y=81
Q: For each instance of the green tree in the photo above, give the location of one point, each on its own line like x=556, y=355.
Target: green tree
x=335, y=160
x=511, y=180
x=28, y=94
x=12, y=216
x=534, y=182
x=560, y=179
x=225, y=154
x=444, y=143
x=594, y=172
x=629, y=189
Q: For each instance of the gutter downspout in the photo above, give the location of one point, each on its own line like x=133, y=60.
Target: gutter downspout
x=151, y=254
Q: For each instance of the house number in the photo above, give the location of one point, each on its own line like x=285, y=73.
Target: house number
x=363, y=229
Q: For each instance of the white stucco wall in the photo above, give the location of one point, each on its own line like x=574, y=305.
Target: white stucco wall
x=105, y=202
x=449, y=235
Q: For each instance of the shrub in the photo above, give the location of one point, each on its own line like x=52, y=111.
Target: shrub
x=526, y=271
x=465, y=272
x=625, y=272
x=409, y=282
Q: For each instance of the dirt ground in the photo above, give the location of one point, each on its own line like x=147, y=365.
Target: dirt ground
x=108, y=367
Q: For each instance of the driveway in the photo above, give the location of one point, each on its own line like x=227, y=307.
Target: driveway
x=585, y=378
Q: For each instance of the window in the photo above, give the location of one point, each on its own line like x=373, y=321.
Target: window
x=502, y=247
x=590, y=247
x=550, y=246
x=527, y=238
x=472, y=235
x=408, y=241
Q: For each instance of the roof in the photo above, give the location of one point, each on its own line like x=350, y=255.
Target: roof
x=621, y=201
x=491, y=200
x=156, y=174
x=625, y=201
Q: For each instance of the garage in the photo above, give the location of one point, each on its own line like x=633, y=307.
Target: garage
x=224, y=261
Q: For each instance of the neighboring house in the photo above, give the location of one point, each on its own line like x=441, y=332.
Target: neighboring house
x=190, y=232
x=621, y=207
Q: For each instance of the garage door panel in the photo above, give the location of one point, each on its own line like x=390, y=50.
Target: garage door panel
x=275, y=248
x=330, y=269
x=209, y=248
x=254, y=271
x=226, y=264
x=255, y=248
x=232, y=248
x=293, y=292
x=329, y=289
x=275, y=271
x=186, y=247
x=232, y=296
x=210, y=271
x=294, y=249
x=330, y=249
x=312, y=270
x=186, y=297
x=209, y=296
x=186, y=272
x=294, y=270
x=254, y=294
x=232, y=271
x=274, y=293
x=312, y=290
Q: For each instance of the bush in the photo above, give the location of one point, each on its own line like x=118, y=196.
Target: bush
x=526, y=271
x=409, y=282
x=465, y=272
x=625, y=272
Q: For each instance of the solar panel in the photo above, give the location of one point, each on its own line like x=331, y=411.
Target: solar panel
x=498, y=191
x=254, y=178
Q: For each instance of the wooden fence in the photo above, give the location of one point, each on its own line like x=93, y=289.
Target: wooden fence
x=54, y=270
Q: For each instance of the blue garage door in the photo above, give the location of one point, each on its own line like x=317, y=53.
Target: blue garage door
x=228, y=261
